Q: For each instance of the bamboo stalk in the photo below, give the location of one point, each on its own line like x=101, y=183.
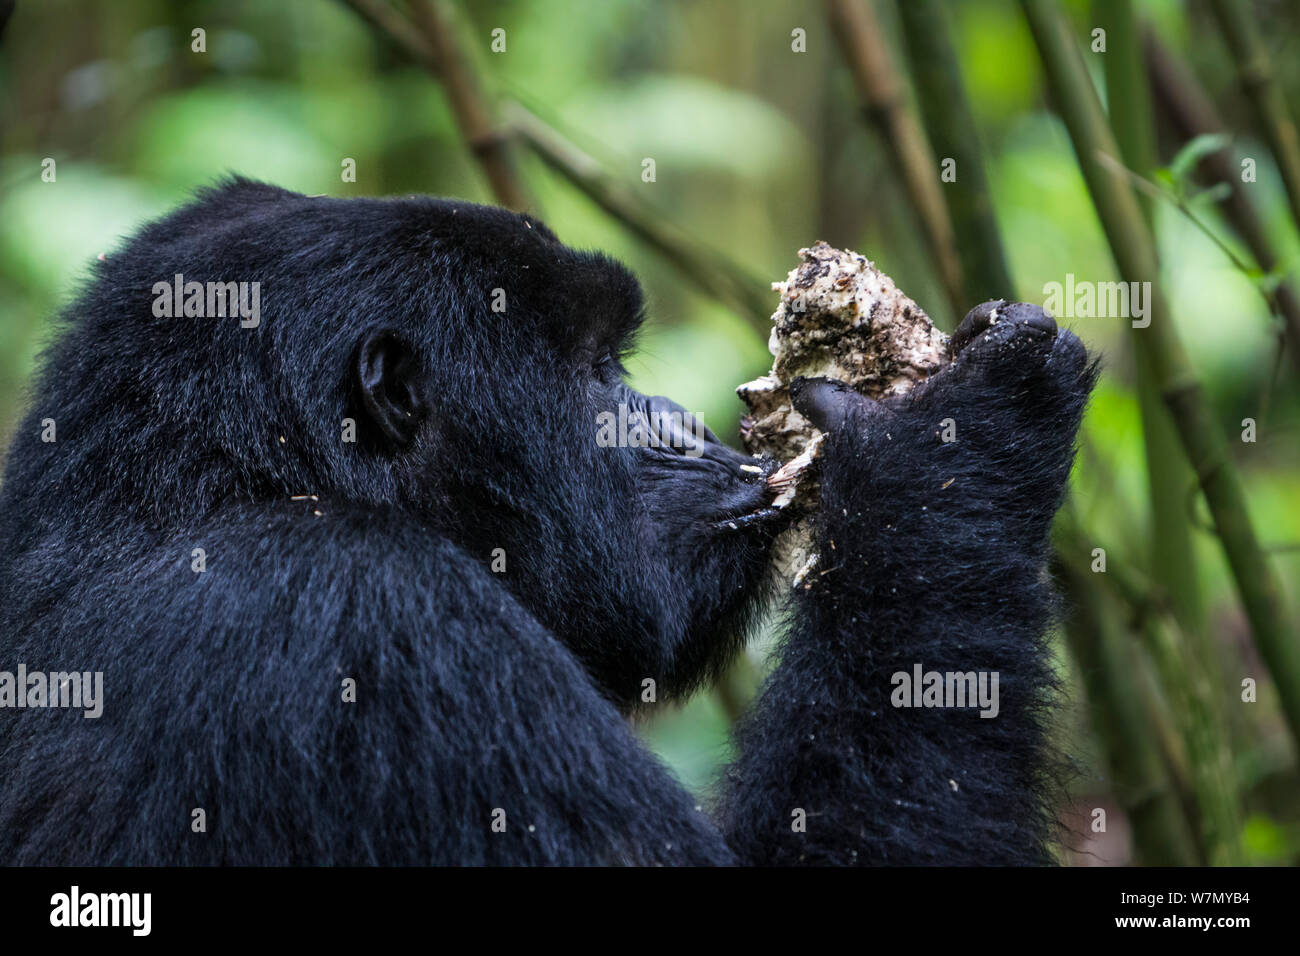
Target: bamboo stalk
x=1172, y=559
x=1203, y=757
x=1256, y=75
x=1119, y=702
x=1193, y=114
x=1194, y=702
x=473, y=118
x=954, y=134
x=1184, y=654
x=1133, y=248
x=854, y=25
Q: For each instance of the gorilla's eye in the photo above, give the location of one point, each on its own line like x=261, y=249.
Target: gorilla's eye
x=606, y=366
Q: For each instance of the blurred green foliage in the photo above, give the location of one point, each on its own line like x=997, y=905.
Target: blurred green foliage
x=758, y=150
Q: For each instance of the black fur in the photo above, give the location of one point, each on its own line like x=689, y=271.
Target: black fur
x=480, y=690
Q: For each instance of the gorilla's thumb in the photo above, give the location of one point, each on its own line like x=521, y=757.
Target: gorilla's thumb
x=825, y=402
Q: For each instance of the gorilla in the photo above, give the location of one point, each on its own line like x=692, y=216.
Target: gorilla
x=364, y=588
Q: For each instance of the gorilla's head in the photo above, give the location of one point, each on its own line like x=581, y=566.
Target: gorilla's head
x=452, y=361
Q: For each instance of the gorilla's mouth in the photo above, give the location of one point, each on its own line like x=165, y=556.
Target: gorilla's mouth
x=729, y=487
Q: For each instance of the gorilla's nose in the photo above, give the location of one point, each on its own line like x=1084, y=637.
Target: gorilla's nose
x=677, y=421
x=668, y=424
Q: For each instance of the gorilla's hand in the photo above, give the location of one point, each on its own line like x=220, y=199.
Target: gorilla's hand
x=995, y=427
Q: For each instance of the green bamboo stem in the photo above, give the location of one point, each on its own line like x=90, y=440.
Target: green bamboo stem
x=1126, y=92
x=954, y=134
x=856, y=29
x=1133, y=248
x=1194, y=705
x=1119, y=702
x=1256, y=75
x=1193, y=700
x=1172, y=558
x=1189, y=678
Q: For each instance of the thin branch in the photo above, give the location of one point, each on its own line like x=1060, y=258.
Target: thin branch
x=1133, y=248
x=714, y=273
x=432, y=44
x=387, y=20
x=1193, y=113
x=854, y=24
x=1153, y=190
x=489, y=146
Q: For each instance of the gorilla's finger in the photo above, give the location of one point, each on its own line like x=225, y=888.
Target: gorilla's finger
x=998, y=312
x=826, y=402
x=977, y=320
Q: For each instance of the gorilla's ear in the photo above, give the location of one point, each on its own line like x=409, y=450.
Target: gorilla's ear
x=388, y=374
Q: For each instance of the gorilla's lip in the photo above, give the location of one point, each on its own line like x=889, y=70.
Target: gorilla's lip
x=760, y=511
x=766, y=518
x=738, y=481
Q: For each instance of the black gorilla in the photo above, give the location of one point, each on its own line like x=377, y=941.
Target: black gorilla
x=489, y=716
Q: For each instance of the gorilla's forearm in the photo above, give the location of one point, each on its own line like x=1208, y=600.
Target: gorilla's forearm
x=932, y=561
x=886, y=784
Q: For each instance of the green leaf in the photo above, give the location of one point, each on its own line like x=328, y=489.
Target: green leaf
x=1194, y=151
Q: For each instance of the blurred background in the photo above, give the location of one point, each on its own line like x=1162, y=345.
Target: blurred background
x=771, y=124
